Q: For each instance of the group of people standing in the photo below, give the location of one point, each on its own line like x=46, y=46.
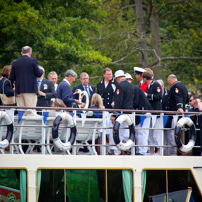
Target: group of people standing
x=32, y=89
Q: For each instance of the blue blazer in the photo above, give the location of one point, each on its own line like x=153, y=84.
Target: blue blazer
x=24, y=73
x=65, y=94
x=91, y=88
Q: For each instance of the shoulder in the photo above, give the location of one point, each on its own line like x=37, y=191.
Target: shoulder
x=100, y=83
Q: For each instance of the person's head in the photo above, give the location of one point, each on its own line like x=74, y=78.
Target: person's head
x=119, y=75
x=147, y=77
x=138, y=73
x=97, y=100
x=160, y=81
x=58, y=103
x=84, y=78
x=194, y=101
x=70, y=75
x=107, y=74
x=6, y=71
x=52, y=76
x=150, y=71
x=128, y=78
x=171, y=79
x=26, y=50
x=40, y=67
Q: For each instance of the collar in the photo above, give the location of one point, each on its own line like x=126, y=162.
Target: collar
x=67, y=82
x=85, y=86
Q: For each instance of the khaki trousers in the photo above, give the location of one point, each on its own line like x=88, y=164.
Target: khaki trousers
x=26, y=99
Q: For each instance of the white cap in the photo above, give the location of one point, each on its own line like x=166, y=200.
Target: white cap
x=119, y=73
x=139, y=70
x=128, y=76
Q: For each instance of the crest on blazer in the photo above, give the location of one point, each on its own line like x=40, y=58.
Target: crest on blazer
x=158, y=89
x=117, y=92
x=45, y=86
x=176, y=90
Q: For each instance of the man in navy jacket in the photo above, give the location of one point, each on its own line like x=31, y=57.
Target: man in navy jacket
x=64, y=91
x=24, y=73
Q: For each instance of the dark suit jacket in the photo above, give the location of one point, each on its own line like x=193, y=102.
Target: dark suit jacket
x=91, y=88
x=48, y=88
x=24, y=72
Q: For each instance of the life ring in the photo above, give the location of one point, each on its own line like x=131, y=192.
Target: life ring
x=130, y=142
x=81, y=94
x=6, y=142
x=57, y=142
x=191, y=143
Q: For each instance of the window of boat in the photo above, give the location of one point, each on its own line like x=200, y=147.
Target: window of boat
x=84, y=185
x=169, y=185
x=13, y=185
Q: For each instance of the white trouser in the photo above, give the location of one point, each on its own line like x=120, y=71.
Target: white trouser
x=142, y=136
x=155, y=136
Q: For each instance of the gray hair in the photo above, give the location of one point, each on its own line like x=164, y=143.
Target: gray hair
x=26, y=49
x=172, y=77
x=83, y=74
x=40, y=67
x=52, y=72
x=70, y=72
x=160, y=81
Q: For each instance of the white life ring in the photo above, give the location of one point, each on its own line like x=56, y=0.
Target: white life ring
x=130, y=142
x=56, y=140
x=6, y=142
x=185, y=148
x=81, y=94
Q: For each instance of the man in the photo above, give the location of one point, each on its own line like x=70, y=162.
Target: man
x=24, y=73
x=107, y=87
x=52, y=76
x=178, y=95
x=46, y=91
x=64, y=91
x=140, y=102
x=154, y=95
x=84, y=78
x=168, y=134
x=195, y=102
x=138, y=75
x=123, y=97
x=128, y=77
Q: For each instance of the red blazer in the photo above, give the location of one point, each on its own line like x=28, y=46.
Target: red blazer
x=143, y=86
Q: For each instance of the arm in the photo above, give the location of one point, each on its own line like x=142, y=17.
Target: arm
x=136, y=98
x=8, y=89
x=156, y=94
x=51, y=93
x=118, y=97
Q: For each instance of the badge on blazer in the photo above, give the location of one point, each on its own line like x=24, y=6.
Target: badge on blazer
x=158, y=89
x=45, y=87
x=176, y=90
x=117, y=92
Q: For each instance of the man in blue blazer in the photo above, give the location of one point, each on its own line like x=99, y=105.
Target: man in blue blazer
x=84, y=78
x=46, y=91
x=64, y=91
x=24, y=73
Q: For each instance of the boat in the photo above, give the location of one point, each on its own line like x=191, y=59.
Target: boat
x=59, y=171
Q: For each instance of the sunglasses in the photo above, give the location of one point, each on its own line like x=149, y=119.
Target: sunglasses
x=190, y=100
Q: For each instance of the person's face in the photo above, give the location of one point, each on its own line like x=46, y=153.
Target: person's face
x=108, y=75
x=84, y=80
x=129, y=80
x=191, y=101
x=138, y=77
x=119, y=79
x=53, y=78
x=71, y=79
x=145, y=80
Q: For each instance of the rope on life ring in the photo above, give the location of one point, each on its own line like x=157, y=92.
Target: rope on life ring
x=6, y=142
x=130, y=142
x=73, y=131
x=188, y=147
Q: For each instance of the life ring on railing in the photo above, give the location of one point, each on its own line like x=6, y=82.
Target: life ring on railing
x=57, y=142
x=81, y=94
x=130, y=142
x=185, y=148
x=6, y=142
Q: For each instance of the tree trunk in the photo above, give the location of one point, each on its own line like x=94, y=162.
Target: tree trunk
x=155, y=42
x=143, y=57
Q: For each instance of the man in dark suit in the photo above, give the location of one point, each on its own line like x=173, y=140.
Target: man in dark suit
x=46, y=91
x=84, y=78
x=106, y=88
x=24, y=73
